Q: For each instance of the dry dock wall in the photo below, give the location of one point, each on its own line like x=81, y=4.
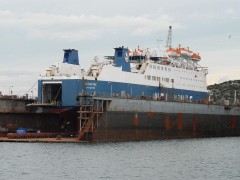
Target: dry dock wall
x=129, y=105
x=14, y=105
x=127, y=119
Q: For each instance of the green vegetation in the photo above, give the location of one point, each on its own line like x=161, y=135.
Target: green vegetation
x=225, y=91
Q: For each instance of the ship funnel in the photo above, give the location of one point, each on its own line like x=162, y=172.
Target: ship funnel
x=71, y=56
x=122, y=58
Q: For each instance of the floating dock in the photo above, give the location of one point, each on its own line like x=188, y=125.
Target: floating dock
x=43, y=140
x=112, y=119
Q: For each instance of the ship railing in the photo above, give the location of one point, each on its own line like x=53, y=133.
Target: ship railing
x=17, y=97
x=53, y=103
x=161, y=98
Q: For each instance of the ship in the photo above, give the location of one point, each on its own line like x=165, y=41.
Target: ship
x=132, y=95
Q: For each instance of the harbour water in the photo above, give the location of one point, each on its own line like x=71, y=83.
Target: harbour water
x=209, y=158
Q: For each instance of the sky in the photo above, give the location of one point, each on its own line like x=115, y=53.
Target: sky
x=33, y=34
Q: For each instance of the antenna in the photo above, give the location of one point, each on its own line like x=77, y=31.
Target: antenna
x=169, y=38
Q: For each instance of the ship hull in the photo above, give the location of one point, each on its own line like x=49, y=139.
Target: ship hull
x=124, y=126
x=127, y=119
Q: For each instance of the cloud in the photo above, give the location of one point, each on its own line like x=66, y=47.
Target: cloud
x=31, y=34
x=21, y=79
x=230, y=11
x=83, y=27
x=209, y=15
x=222, y=64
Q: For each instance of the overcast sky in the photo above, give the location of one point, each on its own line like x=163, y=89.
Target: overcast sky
x=34, y=33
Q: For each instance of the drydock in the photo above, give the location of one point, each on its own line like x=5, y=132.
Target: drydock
x=112, y=119
x=132, y=95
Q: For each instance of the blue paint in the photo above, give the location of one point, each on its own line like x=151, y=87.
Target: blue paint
x=121, y=58
x=71, y=56
x=71, y=88
x=40, y=91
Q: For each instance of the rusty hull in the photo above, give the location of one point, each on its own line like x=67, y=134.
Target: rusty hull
x=125, y=126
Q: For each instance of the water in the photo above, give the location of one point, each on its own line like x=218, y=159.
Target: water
x=213, y=158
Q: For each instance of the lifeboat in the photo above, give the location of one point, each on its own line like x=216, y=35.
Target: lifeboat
x=173, y=52
x=140, y=49
x=185, y=53
x=136, y=53
x=195, y=57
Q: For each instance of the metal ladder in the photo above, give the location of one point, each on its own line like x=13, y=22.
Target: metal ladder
x=88, y=118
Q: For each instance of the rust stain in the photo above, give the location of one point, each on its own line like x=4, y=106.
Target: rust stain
x=57, y=110
x=168, y=125
x=194, y=124
x=233, y=122
x=180, y=121
x=150, y=114
x=136, y=122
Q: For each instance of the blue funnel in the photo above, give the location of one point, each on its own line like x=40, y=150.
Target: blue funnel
x=122, y=58
x=71, y=56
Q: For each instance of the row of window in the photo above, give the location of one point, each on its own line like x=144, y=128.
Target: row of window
x=192, y=79
x=159, y=68
x=190, y=85
x=189, y=72
x=169, y=69
x=155, y=78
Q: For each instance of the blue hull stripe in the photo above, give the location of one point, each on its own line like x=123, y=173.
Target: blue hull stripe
x=71, y=88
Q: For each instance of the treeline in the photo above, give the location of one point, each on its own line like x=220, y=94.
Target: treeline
x=225, y=91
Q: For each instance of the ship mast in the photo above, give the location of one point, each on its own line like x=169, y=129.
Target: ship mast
x=169, y=38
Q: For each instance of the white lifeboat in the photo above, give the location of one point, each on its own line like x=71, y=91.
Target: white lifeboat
x=195, y=57
x=173, y=52
x=185, y=53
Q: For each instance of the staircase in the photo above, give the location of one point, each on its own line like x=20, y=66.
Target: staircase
x=88, y=118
